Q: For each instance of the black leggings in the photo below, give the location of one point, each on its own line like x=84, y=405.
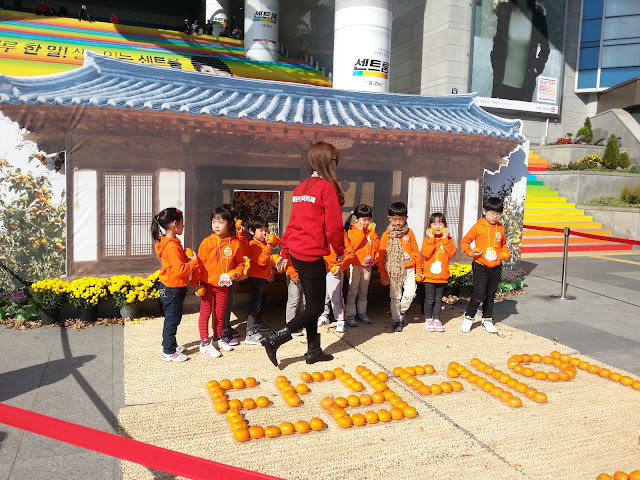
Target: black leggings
x=485, y=286
x=314, y=285
x=433, y=299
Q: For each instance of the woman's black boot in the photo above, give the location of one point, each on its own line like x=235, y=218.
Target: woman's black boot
x=314, y=352
x=273, y=341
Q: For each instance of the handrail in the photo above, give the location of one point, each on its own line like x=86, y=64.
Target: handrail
x=585, y=235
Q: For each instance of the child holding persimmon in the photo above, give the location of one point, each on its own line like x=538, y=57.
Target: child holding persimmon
x=399, y=263
x=437, y=249
x=365, y=243
x=176, y=267
x=489, y=252
x=334, y=299
x=260, y=273
x=221, y=263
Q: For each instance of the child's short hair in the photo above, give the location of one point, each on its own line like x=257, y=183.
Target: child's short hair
x=360, y=211
x=257, y=221
x=397, y=209
x=226, y=215
x=493, y=203
x=437, y=217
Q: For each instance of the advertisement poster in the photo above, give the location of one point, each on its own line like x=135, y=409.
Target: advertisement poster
x=517, y=54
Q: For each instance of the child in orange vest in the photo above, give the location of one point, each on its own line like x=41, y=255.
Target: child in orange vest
x=221, y=263
x=489, y=252
x=437, y=249
x=175, y=270
x=260, y=274
x=335, y=275
x=399, y=263
x=364, y=240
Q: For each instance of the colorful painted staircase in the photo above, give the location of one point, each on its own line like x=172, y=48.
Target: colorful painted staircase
x=545, y=208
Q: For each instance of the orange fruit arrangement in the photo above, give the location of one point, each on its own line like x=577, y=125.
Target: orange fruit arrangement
x=603, y=372
x=567, y=371
x=530, y=392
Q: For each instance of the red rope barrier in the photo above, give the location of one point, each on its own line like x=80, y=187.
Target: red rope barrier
x=124, y=448
x=585, y=235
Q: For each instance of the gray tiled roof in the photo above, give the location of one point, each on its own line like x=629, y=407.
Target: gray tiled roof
x=107, y=82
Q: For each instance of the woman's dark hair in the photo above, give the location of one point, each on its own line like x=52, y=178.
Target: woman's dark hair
x=162, y=220
x=226, y=215
x=493, y=203
x=437, y=216
x=360, y=211
x=321, y=156
x=198, y=61
x=397, y=209
x=255, y=222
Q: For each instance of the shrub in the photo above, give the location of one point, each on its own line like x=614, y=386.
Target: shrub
x=586, y=131
x=630, y=195
x=624, y=160
x=611, y=154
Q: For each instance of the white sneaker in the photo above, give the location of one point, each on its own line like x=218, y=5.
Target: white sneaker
x=222, y=345
x=322, y=320
x=174, y=357
x=210, y=351
x=488, y=326
x=179, y=349
x=340, y=326
x=466, y=324
x=429, y=325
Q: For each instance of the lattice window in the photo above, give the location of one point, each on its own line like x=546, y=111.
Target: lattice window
x=128, y=208
x=141, y=212
x=115, y=215
x=447, y=198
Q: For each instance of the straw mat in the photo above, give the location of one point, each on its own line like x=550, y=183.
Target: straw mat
x=589, y=425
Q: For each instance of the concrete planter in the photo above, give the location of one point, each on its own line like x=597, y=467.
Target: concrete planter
x=563, y=154
x=582, y=186
x=625, y=222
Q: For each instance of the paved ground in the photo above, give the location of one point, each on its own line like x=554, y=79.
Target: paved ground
x=77, y=375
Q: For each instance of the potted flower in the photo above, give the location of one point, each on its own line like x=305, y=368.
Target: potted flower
x=48, y=296
x=20, y=306
x=460, y=279
x=511, y=279
x=85, y=293
x=129, y=292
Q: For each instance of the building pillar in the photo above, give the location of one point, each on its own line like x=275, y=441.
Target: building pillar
x=362, y=45
x=261, y=38
x=217, y=12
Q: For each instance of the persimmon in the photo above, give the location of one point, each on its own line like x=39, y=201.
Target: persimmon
x=306, y=377
x=636, y=385
x=465, y=373
x=481, y=366
x=488, y=386
x=360, y=368
x=397, y=371
x=388, y=393
x=604, y=476
x=371, y=416
x=425, y=390
x=384, y=415
x=515, y=402
x=345, y=421
x=316, y=424
x=547, y=359
x=271, y=431
x=272, y=239
x=410, y=370
x=221, y=407
x=553, y=377
x=409, y=412
x=496, y=391
x=428, y=369
x=341, y=401
x=635, y=475
x=256, y=431
x=575, y=361
x=283, y=385
x=504, y=378
x=380, y=386
x=521, y=387
x=401, y=404
x=506, y=396
x=446, y=387
x=528, y=372
x=497, y=374
x=338, y=371
x=233, y=412
x=328, y=375
x=536, y=358
x=294, y=401
x=480, y=381
x=238, y=425
x=593, y=369
x=436, y=389
x=317, y=376
x=530, y=392
x=489, y=369
x=235, y=403
x=419, y=370
x=281, y=378
x=358, y=419
x=225, y=384
x=626, y=380
x=583, y=365
x=248, y=404
x=287, y=428
x=540, y=375
x=241, y=435
x=301, y=426
x=540, y=397
x=289, y=393
x=357, y=386
x=564, y=376
x=377, y=397
x=417, y=384
x=615, y=376
x=455, y=386
x=212, y=383
x=262, y=401
x=518, y=368
x=366, y=399
x=526, y=358
x=302, y=388
x=473, y=378
x=405, y=375
x=453, y=373
x=620, y=476
x=349, y=381
x=564, y=358
x=604, y=372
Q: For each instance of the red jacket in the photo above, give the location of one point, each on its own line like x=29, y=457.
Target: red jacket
x=315, y=223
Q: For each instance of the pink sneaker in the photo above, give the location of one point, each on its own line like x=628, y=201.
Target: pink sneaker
x=174, y=357
x=438, y=325
x=429, y=325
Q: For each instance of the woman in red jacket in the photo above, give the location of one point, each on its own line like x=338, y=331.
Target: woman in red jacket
x=315, y=225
